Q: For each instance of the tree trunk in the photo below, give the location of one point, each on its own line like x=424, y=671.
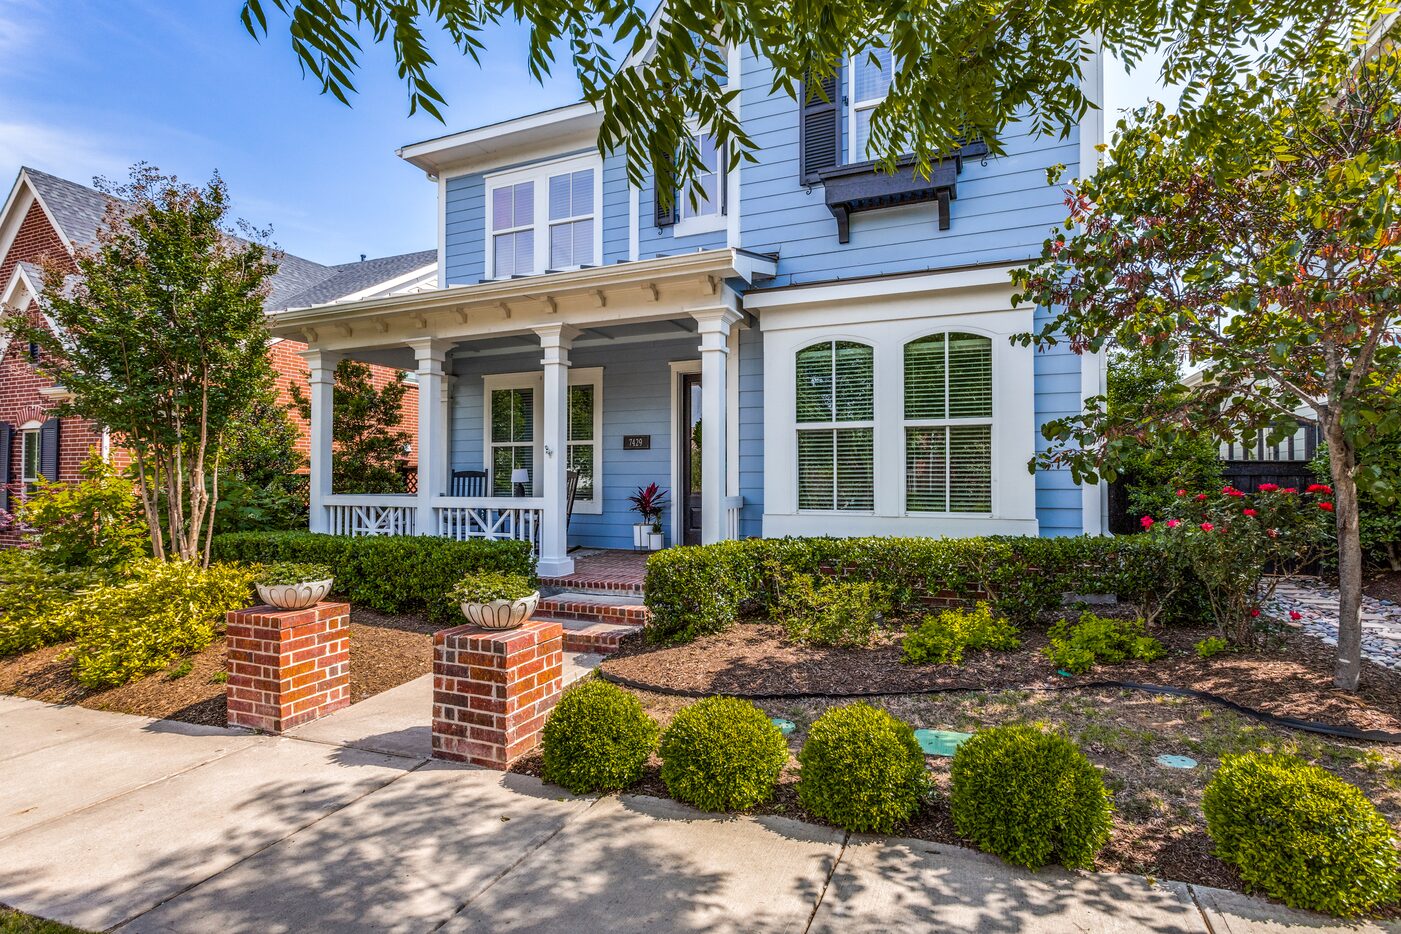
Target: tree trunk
x=1343, y=462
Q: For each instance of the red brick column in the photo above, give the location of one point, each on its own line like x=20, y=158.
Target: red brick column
x=492, y=690
x=287, y=666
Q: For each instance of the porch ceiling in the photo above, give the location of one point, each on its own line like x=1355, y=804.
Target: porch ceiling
x=603, y=303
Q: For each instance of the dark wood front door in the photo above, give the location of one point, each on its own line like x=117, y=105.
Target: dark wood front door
x=690, y=450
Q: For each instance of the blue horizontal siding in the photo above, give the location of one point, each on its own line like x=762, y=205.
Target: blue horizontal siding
x=751, y=431
x=465, y=236
x=615, y=208
x=1059, y=508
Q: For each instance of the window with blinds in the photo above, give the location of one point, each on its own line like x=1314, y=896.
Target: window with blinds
x=512, y=438
x=512, y=230
x=948, y=424
x=582, y=443
x=571, y=219
x=835, y=396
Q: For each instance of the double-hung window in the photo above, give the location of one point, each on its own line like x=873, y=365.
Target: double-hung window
x=29, y=460
x=702, y=211
x=514, y=412
x=544, y=218
x=512, y=438
x=585, y=429
x=835, y=398
x=948, y=424
x=870, y=77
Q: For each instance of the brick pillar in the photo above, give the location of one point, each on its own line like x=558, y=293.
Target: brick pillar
x=287, y=666
x=492, y=690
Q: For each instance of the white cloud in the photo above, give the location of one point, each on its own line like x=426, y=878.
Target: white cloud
x=75, y=155
x=19, y=31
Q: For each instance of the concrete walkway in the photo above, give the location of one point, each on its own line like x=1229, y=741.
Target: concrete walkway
x=116, y=822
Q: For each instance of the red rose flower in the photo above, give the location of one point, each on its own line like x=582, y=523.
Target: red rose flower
x=1207, y=526
x=1295, y=615
x=1173, y=523
x=1326, y=506
x=1146, y=522
x=1290, y=489
x=1272, y=533
x=1201, y=496
x=1181, y=492
x=1248, y=512
x=1268, y=487
x=1229, y=490
x=1319, y=488
x=1254, y=611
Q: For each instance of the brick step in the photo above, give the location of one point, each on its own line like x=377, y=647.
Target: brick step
x=595, y=637
x=577, y=584
x=616, y=609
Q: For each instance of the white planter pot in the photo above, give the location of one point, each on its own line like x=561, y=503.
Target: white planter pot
x=501, y=614
x=656, y=541
x=640, y=533
x=295, y=596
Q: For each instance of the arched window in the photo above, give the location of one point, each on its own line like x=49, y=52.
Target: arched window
x=948, y=424
x=836, y=417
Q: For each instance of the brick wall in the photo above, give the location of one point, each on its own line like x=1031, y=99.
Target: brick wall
x=35, y=239
x=287, y=667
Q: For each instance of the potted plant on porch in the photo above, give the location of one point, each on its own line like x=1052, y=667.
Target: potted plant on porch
x=648, y=502
x=496, y=600
x=290, y=586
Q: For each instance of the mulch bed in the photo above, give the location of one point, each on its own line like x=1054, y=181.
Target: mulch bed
x=1290, y=676
x=385, y=651
x=1383, y=585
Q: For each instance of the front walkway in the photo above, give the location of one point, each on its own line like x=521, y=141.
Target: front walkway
x=112, y=821
x=1317, y=606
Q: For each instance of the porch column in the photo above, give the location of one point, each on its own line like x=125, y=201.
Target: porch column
x=431, y=355
x=713, y=325
x=554, y=560
x=322, y=380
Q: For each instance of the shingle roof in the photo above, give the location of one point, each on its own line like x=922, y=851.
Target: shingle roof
x=78, y=210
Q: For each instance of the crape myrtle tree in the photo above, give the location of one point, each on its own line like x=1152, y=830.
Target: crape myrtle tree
x=966, y=68
x=1270, y=254
x=161, y=338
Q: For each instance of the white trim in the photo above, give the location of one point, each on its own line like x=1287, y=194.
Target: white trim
x=634, y=220
x=714, y=219
x=30, y=429
x=733, y=236
x=1094, y=497
x=494, y=382
x=732, y=414
x=539, y=175
x=678, y=368
x=505, y=142
x=391, y=286
x=591, y=376
x=853, y=105
x=443, y=232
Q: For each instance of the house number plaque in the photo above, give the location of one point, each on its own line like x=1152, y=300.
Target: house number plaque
x=637, y=442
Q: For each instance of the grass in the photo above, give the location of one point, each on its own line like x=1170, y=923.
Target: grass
x=14, y=922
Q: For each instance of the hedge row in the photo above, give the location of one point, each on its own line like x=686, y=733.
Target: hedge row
x=392, y=574
x=702, y=589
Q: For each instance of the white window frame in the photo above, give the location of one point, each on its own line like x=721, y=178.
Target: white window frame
x=908, y=423
x=30, y=432
x=690, y=225
x=578, y=376
x=540, y=173
x=853, y=106
x=835, y=426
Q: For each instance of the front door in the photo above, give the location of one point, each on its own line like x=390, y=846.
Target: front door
x=689, y=498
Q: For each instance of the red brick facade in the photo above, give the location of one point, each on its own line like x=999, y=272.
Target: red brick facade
x=287, y=667
x=493, y=689
x=35, y=239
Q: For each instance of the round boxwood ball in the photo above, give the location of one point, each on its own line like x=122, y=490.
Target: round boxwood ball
x=722, y=754
x=1029, y=797
x=862, y=770
x=1301, y=834
x=598, y=738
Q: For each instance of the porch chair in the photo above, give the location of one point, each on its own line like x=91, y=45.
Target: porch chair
x=468, y=483
x=571, y=486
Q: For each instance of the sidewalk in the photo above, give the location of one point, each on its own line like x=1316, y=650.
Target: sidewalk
x=111, y=821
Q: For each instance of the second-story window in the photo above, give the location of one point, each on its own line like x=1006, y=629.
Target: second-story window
x=703, y=211
x=870, y=83
x=544, y=218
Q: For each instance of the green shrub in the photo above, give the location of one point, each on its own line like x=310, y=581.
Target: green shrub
x=1029, y=797
x=1211, y=646
x=487, y=586
x=1302, y=835
x=598, y=738
x=722, y=754
x=392, y=574
x=862, y=769
x=94, y=523
x=834, y=612
x=291, y=572
x=704, y=589
x=943, y=638
x=1077, y=647
x=161, y=610
x=32, y=594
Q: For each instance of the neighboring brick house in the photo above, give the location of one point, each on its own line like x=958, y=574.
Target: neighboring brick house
x=48, y=217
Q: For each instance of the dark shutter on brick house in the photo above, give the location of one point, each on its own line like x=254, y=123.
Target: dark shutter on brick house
x=7, y=440
x=48, y=450
x=819, y=128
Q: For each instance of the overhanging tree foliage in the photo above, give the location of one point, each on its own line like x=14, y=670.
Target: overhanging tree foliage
x=369, y=444
x=963, y=68
x=1271, y=255
x=161, y=338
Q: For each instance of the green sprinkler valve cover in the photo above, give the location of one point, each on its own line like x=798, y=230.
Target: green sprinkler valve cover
x=940, y=742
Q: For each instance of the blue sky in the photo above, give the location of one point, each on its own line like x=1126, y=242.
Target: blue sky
x=87, y=87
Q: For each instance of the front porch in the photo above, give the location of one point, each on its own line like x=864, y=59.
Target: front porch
x=603, y=374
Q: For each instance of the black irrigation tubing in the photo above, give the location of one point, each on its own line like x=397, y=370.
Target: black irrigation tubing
x=1291, y=723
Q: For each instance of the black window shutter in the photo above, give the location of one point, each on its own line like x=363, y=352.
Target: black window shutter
x=665, y=213
x=819, y=136
x=7, y=440
x=48, y=450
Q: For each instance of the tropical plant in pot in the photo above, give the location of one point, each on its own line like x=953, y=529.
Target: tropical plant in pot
x=648, y=502
x=291, y=586
x=495, y=599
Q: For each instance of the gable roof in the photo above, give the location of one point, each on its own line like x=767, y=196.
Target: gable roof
x=77, y=212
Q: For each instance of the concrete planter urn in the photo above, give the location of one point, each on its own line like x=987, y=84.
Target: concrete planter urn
x=295, y=596
x=501, y=614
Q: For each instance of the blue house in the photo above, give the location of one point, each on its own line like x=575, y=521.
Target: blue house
x=815, y=348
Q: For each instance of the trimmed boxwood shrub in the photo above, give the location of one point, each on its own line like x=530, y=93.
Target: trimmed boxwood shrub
x=392, y=574
x=1029, y=797
x=862, y=769
x=835, y=612
x=1301, y=834
x=703, y=589
x=722, y=754
x=598, y=738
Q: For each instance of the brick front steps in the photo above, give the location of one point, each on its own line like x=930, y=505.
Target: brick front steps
x=593, y=622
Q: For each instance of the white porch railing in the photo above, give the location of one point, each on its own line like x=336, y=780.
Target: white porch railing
x=733, y=504
x=390, y=514
x=489, y=517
